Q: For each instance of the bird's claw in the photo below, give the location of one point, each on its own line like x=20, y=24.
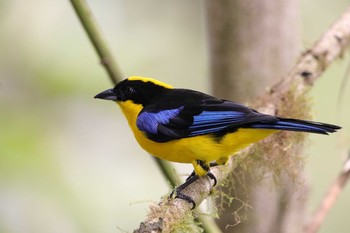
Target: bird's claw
x=192, y=178
x=186, y=198
x=211, y=176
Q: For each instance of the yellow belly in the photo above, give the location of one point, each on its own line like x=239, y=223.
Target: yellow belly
x=205, y=147
x=187, y=150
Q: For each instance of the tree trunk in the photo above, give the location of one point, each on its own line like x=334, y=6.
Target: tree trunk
x=253, y=44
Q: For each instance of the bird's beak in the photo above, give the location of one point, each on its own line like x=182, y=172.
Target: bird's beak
x=107, y=95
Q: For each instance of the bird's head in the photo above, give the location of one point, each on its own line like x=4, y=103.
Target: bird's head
x=137, y=89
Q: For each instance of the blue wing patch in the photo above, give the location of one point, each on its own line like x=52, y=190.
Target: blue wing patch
x=149, y=121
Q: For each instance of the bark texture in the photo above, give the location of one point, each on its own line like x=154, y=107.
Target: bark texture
x=252, y=44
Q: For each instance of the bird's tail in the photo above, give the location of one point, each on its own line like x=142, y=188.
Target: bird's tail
x=297, y=125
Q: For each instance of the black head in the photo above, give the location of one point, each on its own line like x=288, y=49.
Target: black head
x=137, y=89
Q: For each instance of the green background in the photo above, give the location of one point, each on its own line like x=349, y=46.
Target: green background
x=68, y=162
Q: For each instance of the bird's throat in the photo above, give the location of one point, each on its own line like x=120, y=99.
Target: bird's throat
x=130, y=111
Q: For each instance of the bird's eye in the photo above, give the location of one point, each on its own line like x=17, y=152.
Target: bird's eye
x=130, y=90
x=125, y=92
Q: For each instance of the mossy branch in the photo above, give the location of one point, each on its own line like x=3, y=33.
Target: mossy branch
x=310, y=66
x=170, y=214
x=315, y=61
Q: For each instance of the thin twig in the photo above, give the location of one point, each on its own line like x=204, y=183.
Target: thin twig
x=99, y=42
x=330, y=198
x=90, y=25
x=310, y=66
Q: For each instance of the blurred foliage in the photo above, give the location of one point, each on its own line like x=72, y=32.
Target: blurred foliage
x=68, y=163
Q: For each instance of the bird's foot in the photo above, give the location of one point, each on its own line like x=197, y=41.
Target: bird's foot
x=178, y=191
x=192, y=178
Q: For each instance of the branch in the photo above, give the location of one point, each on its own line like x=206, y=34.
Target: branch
x=164, y=216
x=90, y=25
x=328, y=201
x=314, y=61
x=309, y=67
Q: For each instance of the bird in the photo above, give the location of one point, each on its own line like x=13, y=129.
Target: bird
x=188, y=126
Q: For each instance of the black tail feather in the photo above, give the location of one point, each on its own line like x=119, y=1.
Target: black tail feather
x=297, y=125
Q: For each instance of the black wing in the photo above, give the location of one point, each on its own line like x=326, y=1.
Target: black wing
x=182, y=113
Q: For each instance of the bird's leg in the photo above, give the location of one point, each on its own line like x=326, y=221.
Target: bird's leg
x=221, y=161
x=212, y=164
x=206, y=167
x=192, y=174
